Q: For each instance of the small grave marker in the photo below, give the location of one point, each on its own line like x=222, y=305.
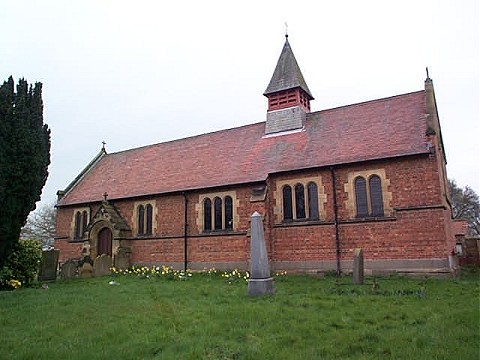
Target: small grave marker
x=86, y=270
x=358, y=266
x=68, y=270
x=122, y=258
x=48, y=265
x=102, y=265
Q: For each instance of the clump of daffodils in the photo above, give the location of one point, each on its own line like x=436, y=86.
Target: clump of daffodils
x=160, y=272
x=280, y=276
x=14, y=283
x=235, y=276
x=211, y=271
x=168, y=273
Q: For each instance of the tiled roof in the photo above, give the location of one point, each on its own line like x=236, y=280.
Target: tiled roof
x=371, y=130
x=287, y=74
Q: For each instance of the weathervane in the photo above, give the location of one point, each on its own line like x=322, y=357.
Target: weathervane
x=286, y=29
x=103, y=145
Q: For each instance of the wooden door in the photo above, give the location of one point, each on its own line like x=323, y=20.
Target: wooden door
x=105, y=242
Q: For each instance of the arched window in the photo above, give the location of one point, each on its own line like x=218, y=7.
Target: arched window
x=141, y=220
x=287, y=203
x=228, y=213
x=149, y=211
x=78, y=225
x=207, y=215
x=312, y=201
x=361, y=197
x=376, y=198
x=300, y=201
x=81, y=220
x=218, y=212
x=217, y=203
x=84, y=222
x=145, y=219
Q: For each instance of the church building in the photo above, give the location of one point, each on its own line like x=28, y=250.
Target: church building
x=369, y=175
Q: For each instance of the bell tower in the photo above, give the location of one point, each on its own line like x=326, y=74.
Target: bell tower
x=288, y=95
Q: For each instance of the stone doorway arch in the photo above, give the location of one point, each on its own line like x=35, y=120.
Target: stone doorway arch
x=107, y=230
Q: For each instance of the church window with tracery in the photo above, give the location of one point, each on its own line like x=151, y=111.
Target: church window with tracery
x=217, y=213
x=144, y=219
x=301, y=203
x=81, y=220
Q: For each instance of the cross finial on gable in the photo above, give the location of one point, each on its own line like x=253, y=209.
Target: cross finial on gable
x=105, y=195
x=103, y=145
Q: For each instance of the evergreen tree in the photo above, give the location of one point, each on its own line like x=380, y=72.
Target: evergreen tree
x=24, y=158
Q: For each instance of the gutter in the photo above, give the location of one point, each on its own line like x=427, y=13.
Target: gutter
x=185, y=235
x=335, y=211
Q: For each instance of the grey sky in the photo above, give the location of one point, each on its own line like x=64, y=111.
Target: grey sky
x=137, y=73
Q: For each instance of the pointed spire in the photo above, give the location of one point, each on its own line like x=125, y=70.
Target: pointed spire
x=288, y=95
x=287, y=74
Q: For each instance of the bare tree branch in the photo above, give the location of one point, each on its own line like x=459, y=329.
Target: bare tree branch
x=465, y=205
x=40, y=225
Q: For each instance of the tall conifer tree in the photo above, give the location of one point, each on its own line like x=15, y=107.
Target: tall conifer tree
x=24, y=158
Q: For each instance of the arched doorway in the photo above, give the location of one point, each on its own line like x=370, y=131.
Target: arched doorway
x=105, y=241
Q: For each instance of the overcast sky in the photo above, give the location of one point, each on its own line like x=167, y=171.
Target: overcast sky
x=134, y=73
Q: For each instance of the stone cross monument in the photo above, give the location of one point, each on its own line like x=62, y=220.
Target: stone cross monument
x=260, y=281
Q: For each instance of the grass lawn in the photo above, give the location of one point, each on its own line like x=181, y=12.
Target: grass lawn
x=205, y=317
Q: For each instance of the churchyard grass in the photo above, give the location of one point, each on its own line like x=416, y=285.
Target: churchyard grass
x=205, y=317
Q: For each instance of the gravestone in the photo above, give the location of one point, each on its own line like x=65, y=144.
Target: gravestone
x=86, y=248
x=69, y=270
x=86, y=270
x=260, y=281
x=102, y=265
x=358, y=266
x=122, y=258
x=48, y=265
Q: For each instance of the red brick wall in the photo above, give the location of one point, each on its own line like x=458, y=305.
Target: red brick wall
x=303, y=243
x=68, y=250
x=63, y=221
x=221, y=249
x=418, y=228
x=413, y=235
x=156, y=251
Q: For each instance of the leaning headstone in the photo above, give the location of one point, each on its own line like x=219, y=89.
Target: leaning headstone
x=260, y=281
x=68, y=270
x=358, y=266
x=122, y=258
x=48, y=265
x=86, y=270
x=102, y=265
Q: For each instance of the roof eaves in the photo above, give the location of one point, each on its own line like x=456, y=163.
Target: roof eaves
x=87, y=168
x=351, y=162
x=168, y=192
